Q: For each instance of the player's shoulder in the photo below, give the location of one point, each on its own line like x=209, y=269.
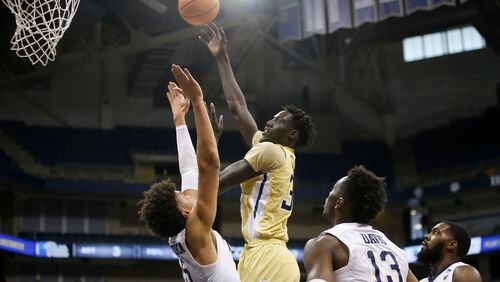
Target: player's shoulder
x=327, y=246
x=323, y=242
x=466, y=273
x=270, y=149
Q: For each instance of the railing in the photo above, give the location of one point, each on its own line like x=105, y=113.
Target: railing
x=29, y=165
x=23, y=159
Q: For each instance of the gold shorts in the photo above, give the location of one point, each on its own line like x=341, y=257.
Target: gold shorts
x=268, y=262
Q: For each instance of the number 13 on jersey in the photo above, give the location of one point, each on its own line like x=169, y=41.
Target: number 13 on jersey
x=387, y=259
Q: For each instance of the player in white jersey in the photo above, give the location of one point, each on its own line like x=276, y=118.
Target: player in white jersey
x=443, y=249
x=186, y=217
x=352, y=250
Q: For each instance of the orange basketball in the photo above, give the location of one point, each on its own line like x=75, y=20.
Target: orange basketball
x=198, y=12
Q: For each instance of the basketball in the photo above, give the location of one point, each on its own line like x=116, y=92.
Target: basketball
x=198, y=12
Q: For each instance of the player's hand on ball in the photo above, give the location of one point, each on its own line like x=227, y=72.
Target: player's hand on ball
x=190, y=87
x=215, y=39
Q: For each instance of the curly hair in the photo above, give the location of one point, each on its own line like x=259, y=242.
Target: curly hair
x=303, y=123
x=159, y=212
x=459, y=233
x=366, y=193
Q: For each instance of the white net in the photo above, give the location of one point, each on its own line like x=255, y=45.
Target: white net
x=40, y=26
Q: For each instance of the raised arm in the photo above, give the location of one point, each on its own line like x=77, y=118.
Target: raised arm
x=202, y=216
x=185, y=149
x=215, y=39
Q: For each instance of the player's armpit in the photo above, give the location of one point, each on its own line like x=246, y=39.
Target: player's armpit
x=234, y=174
x=466, y=273
x=318, y=259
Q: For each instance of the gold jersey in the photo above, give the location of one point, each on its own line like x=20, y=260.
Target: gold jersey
x=267, y=199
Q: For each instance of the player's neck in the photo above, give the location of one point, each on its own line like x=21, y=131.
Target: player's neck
x=441, y=265
x=340, y=220
x=285, y=144
x=284, y=141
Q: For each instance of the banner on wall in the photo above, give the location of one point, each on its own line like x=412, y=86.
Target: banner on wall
x=162, y=252
x=365, y=11
x=299, y=19
x=438, y=3
x=390, y=8
x=415, y=5
x=17, y=245
x=490, y=243
x=338, y=14
x=313, y=17
x=104, y=250
x=51, y=249
x=289, y=26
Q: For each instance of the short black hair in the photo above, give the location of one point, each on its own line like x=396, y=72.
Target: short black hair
x=459, y=233
x=159, y=212
x=302, y=123
x=366, y=194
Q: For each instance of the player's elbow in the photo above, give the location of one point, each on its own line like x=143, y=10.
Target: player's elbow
x=236, y=107
x=208, y=163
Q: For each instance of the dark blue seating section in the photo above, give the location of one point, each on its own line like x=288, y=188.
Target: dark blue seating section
x=9, y=170
x=6, y=162
x=463, y=142
x=52, y=145
x=330, y=167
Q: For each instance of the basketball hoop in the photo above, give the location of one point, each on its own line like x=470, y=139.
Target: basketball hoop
x=40, y=26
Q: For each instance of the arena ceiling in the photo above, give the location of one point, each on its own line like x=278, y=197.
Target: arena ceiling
x=149, y=32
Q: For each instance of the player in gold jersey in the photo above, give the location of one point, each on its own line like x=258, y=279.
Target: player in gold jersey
x=265, y=174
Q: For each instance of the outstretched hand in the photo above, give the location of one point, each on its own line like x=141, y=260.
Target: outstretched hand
x=190, y=87
x=178, y=103
x=217, y=121
x=215, y=39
